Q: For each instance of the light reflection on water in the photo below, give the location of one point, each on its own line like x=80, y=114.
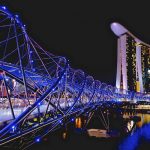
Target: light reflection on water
x=142, y=132
x=145, y=118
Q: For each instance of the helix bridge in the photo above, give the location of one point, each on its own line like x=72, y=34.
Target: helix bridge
x=35, y=83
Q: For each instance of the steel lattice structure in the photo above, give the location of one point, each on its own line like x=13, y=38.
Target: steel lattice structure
x=37, y=84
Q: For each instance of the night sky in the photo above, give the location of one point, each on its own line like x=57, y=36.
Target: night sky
x=81, y=31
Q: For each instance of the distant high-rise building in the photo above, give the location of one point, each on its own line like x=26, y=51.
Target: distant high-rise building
x=133, y=61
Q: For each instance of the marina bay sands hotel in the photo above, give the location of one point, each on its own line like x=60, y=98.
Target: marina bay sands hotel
x=133, y=61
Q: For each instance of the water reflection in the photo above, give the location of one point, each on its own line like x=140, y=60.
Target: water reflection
x=64, y=135
x=142, y=132
x=78, y=122
x=131, y=142
x=145, y=118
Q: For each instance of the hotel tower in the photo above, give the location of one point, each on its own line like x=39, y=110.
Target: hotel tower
x=133, y=61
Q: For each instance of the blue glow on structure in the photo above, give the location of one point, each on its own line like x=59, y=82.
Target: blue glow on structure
x=17, y=21
x=13, y=127
x=37, y=140
x=6, y=79
x=4, y=7
x=16, y=16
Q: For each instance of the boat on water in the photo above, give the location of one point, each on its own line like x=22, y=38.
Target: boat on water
x=100, y=133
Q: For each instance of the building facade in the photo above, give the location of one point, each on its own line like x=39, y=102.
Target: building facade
x=133, y=61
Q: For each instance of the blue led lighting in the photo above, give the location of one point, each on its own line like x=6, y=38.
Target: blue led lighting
x=37, y=140
x=6, y=79
x=13, y=128
x=4, y=7
x=17, y=21
x=16, y=16
x=72, y=119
